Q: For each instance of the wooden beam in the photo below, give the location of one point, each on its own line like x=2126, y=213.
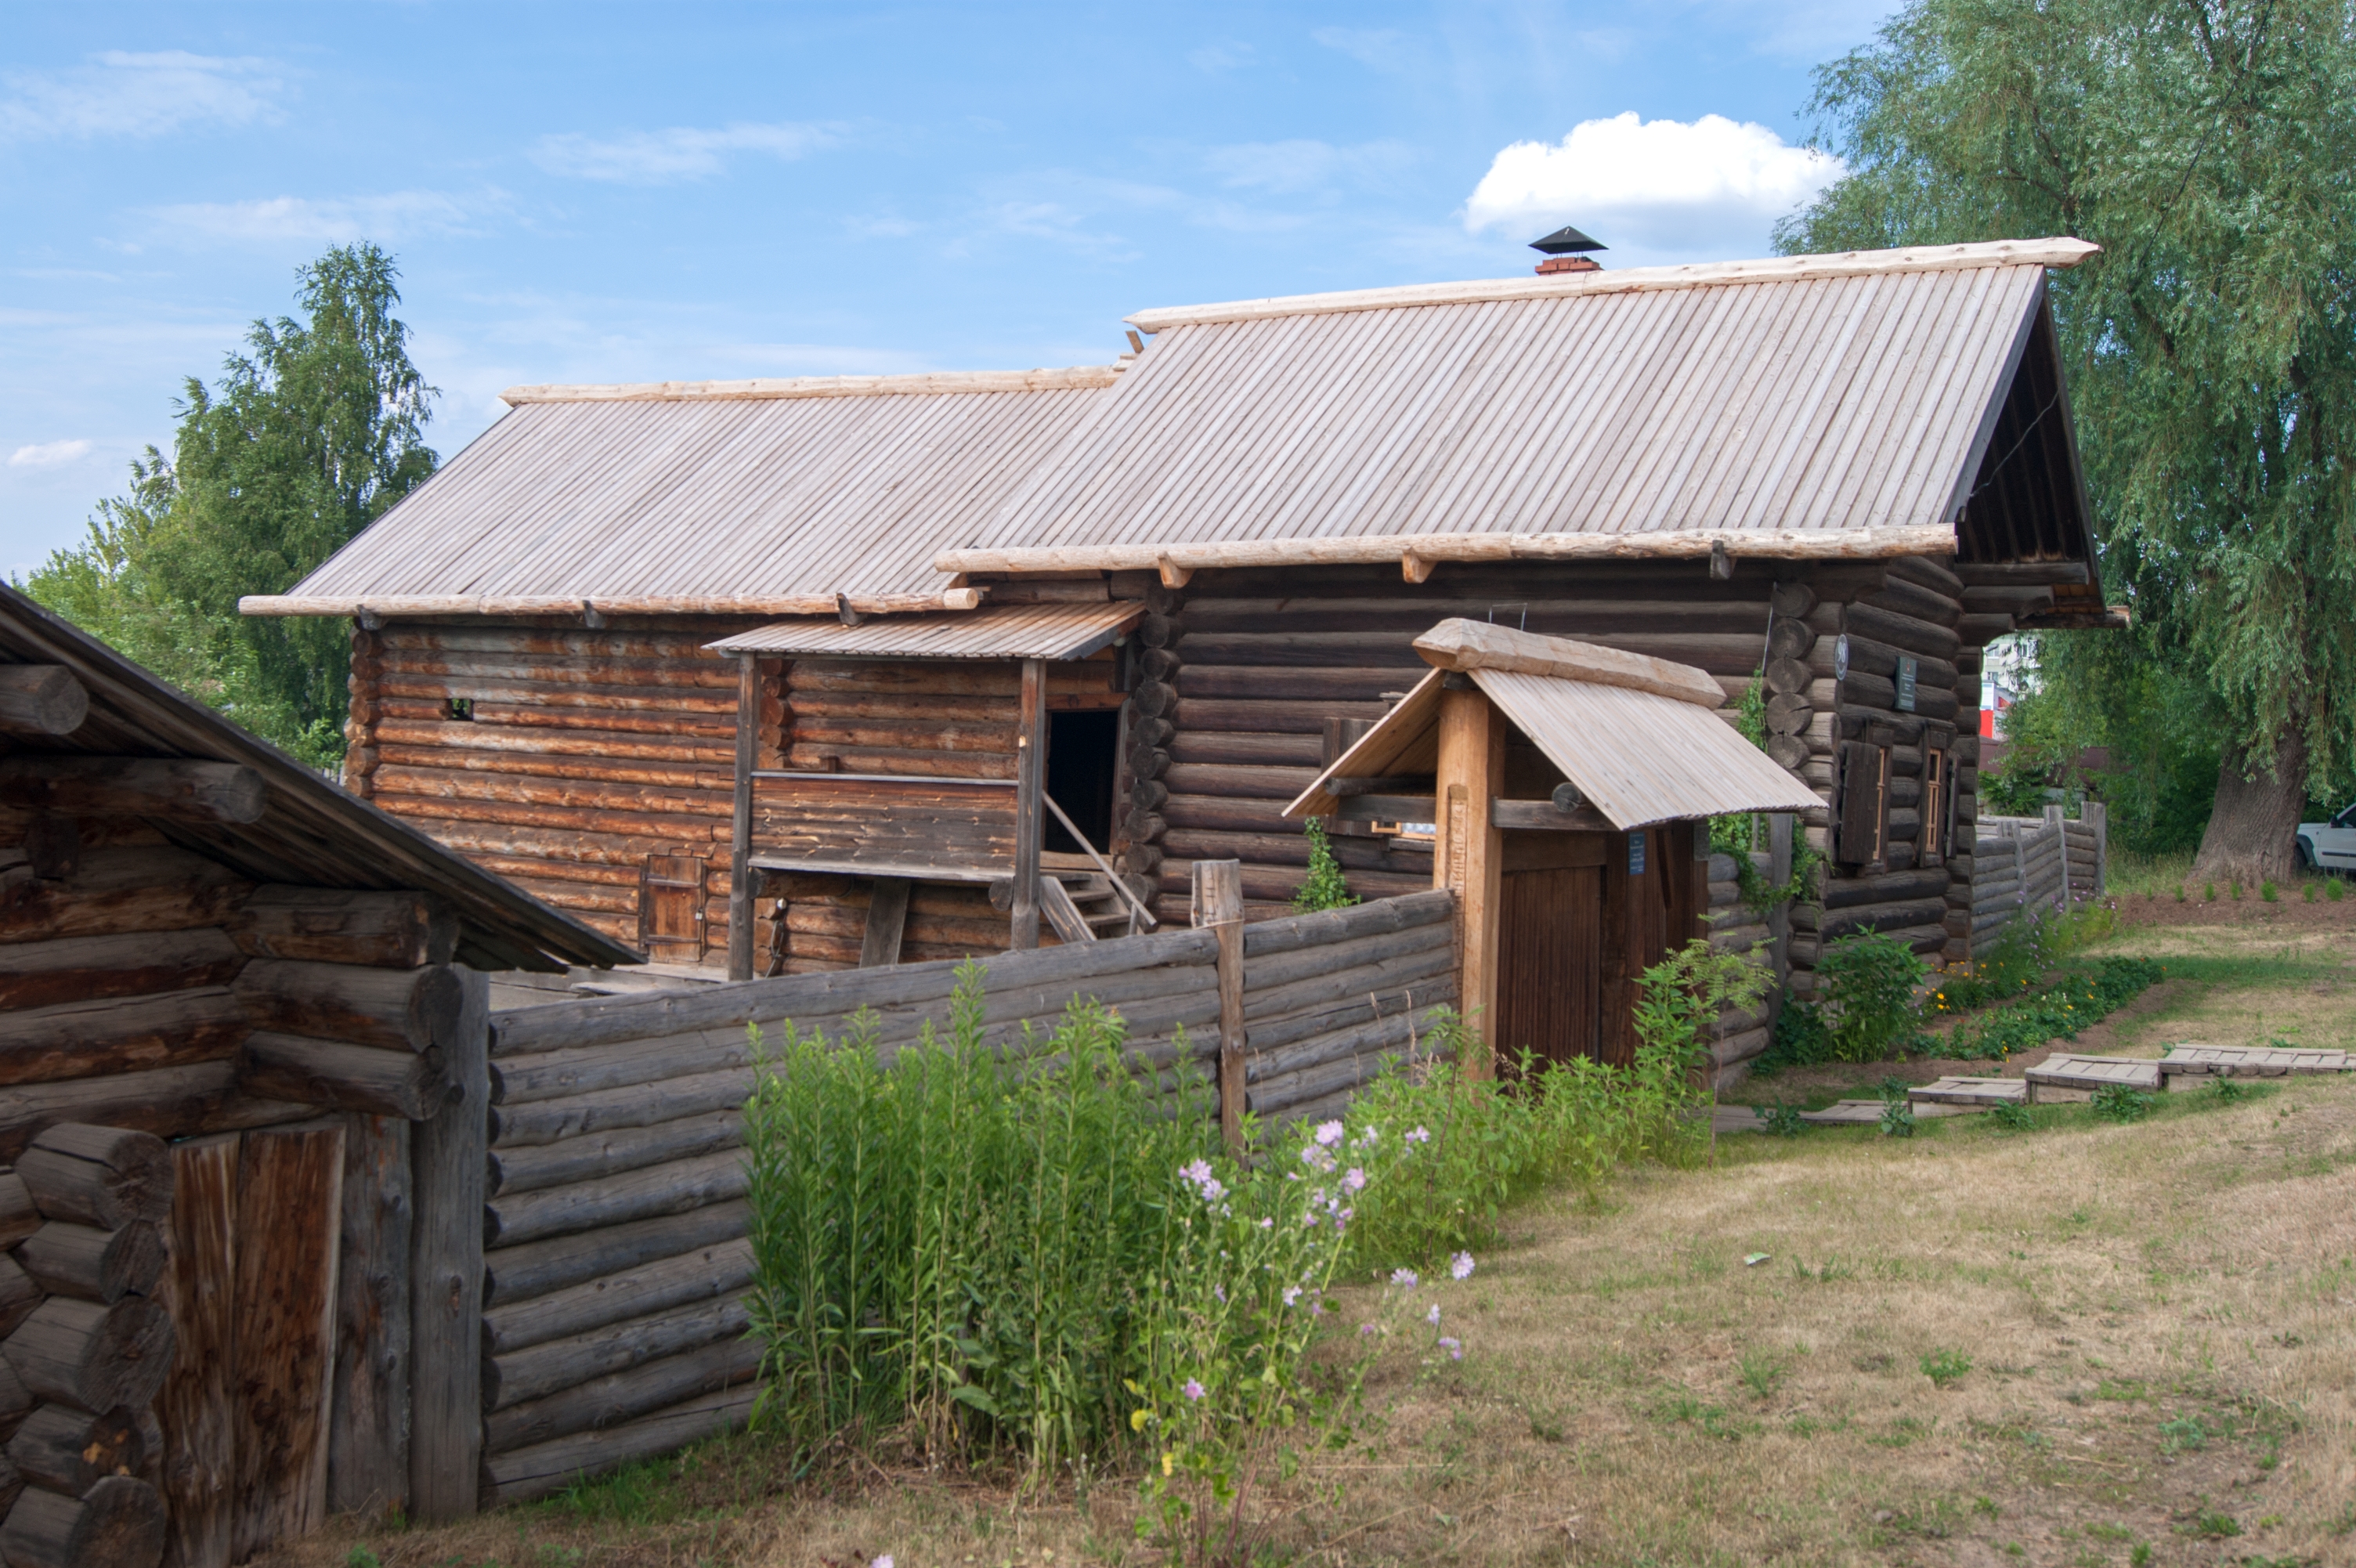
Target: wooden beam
x=1468, y=645
x=289, y=1197
x=175, y=788
x=1380, y=784
x=367, y=1442
x=449, y=1159
x=1388, y=809
x=1031, y=780
x=887, y=922
x=1178, y=561
x=930, y=383
x=338, y=925
x=41, y=699
x=740, y=839
x=403, y=1010
x=2043, y=253
x=1218, y=906
x=2022, y=574
x=413, y=1085
x=378, y=607
x=1545, y=816
x=200, y=1292
x=1469, y=855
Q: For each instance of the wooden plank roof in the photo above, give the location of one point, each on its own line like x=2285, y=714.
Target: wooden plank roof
x=310, y=834
x=1008, y=631
x=737, y=496
x=1836, y=399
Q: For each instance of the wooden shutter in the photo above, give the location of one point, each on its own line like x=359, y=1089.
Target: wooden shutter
x=1931, y=838
x=670, y=907
x=1862, y=810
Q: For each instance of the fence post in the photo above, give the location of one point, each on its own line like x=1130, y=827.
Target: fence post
x=2099, y=813
x=2060, y=831
x=1219, y=906
x=2019, y=868
x=450, y=1156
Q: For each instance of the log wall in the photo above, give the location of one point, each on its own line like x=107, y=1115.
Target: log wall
x=616, y=1267
x=153, y=990
x=2036, y=866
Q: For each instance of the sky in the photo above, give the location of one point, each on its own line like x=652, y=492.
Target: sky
x=587, y=192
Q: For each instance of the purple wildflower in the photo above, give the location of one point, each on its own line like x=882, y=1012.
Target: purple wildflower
x=1456, y=1349
x=1460, y=1265
x=1432, y=1317
x=1405, y=1279
x=1192, y=1390
x=1420, y=1135
x=1328, y=1134
x=1355, y=1179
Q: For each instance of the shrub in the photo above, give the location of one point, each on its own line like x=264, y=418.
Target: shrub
x=1325, y=889
x=2211, y=893
x=1944, y=1367
x=1869, y=1008
x=2267, y=890
x=2076, y=1002
x=2117, y=1102
x=2333, y=890
x=1800, y=1038
x=2306, y=891
x=2013, y=1115
x=2179, y=892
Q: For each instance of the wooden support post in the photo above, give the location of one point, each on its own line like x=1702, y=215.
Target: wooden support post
x=290, y=1204
x=2099, y=814
x=449, y=1157
x=1030, y=779
x=1219, y=906
x=367, y=1442
x=1779, y=918
x=200, y=1291
x=887, y=922
x=1470, y=854
x=740, y=842
x=2060, y=831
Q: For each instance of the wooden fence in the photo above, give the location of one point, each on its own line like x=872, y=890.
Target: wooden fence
x=2023, y=864
x=616, y=1264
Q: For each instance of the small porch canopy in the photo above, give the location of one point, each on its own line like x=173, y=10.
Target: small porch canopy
x=1052, y=631
x=1638, y=738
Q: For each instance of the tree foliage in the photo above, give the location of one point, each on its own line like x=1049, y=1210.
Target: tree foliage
x=310, y=435
x=2206, y=147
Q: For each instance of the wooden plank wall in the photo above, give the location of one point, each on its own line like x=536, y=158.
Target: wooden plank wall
x=589, y=749
x=617, y=1268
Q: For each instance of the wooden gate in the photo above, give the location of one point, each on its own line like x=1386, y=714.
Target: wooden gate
x=1550, y=946
x=670, y=908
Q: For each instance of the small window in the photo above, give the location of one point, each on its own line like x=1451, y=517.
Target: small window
x=461, y=709
x=1932, y=836
x=1861, y=819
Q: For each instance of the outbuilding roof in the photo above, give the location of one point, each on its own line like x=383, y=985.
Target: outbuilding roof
x=766, y=497
x=1055, y=631
x=1796, y=406
x=310, y=832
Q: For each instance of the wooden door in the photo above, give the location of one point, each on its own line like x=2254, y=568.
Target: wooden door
x=1549, y=946
x=670, y=908
x=1638, y=905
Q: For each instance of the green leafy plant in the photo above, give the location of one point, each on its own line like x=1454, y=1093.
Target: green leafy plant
x=2179, y=892
x=1897, y=1115
x=2223, y=1089
x=2119, y=1103
x=2267, y=890
x=2013, y=1115
x=1325, y=889
x=1946, y=1367
x=1868, y=983
x=2183, y=1435
x=1782, y=1121
x=2237, y=889
x=2212, y=892
x=2333, y=890
x=2077, y=1001
x=2306, y=891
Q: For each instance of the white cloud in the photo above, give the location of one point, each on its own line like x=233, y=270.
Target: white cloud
x=48, y=455
x=1288, y=168
x=395, y=215
x=125, y=95
x=681, y=153
x=1703, y=190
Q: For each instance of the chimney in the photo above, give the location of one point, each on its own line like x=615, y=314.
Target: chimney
x=1563, y=248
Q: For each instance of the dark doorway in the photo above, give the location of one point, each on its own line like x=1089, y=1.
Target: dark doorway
x=1082, y=749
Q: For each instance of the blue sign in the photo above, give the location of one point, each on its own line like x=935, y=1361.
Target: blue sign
x=1906, y=685
x=1635, y=854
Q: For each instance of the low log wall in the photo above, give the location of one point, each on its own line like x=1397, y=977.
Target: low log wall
x=2030, y=864
x=616, y=1264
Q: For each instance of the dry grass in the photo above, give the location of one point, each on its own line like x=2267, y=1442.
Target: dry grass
x=2156, y=1319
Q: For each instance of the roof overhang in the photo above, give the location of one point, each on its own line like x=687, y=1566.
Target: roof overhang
x=1416, y=553
x=366, y=606
x=1639, y=737
x=1053, y=632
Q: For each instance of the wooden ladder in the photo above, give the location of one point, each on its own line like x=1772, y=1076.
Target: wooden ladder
x=1084, y=906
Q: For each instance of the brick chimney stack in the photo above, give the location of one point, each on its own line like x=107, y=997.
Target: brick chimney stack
x=1564, y=251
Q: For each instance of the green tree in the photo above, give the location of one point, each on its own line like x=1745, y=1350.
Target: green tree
x=312, y=432
x=2206, y=147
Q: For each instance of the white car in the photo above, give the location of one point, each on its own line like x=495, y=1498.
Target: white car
x=2328, y=846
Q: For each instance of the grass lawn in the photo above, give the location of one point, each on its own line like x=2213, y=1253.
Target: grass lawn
x=2082, y=1343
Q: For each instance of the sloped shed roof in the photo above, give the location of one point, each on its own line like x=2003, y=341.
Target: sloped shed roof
x=310, y=834
x=1774, y=403
x=714, y=497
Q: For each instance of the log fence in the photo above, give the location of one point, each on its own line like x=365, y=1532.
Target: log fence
x=2040, y=865
x=615, y=1267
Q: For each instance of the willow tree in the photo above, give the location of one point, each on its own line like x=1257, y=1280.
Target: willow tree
x=2211, y=150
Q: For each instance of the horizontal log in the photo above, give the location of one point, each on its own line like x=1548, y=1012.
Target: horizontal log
x=66, y=1259
x=1591, y=614
x=530, y=1169
x=559, y=1364
x=548, y=789
x=1735, y=1050
x=1866, y=691
x=394, y=1010
x=525, y=1474
x=539, y=1269
x=611, y=1399
x=139, y=887
x=94, y=969
x=41, y=699
x=1275, y=717
x=174, y=1102
x=81, y=1353
x=1246, y=747
x=580, y=770
x=1881, y=659
x=18, y=1217
x=1376, y=1037
x=170, y=789
x=1274, y=1035
x=1319, y=990
x=673, y=1189
x=1911, y=633
x=1386, y=853
x=704, y=1275
x=20, y=1295
x=1900, y=596
x=65, y=1449
x=1348, y=684
x=1332, y=926
x=561, y=694
x=1843, y=892
x=1277, y=784
x=101, y=1176
x=704, y=671
x=1894, y=917
x=116, y=1035
x=118, y=1523
x=667, y=727
x=1281, y=969
x=413, y=1085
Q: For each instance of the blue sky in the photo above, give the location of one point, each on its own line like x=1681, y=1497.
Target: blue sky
x=590, y=192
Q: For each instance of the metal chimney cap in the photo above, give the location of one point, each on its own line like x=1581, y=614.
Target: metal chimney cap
x=1566, y=241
